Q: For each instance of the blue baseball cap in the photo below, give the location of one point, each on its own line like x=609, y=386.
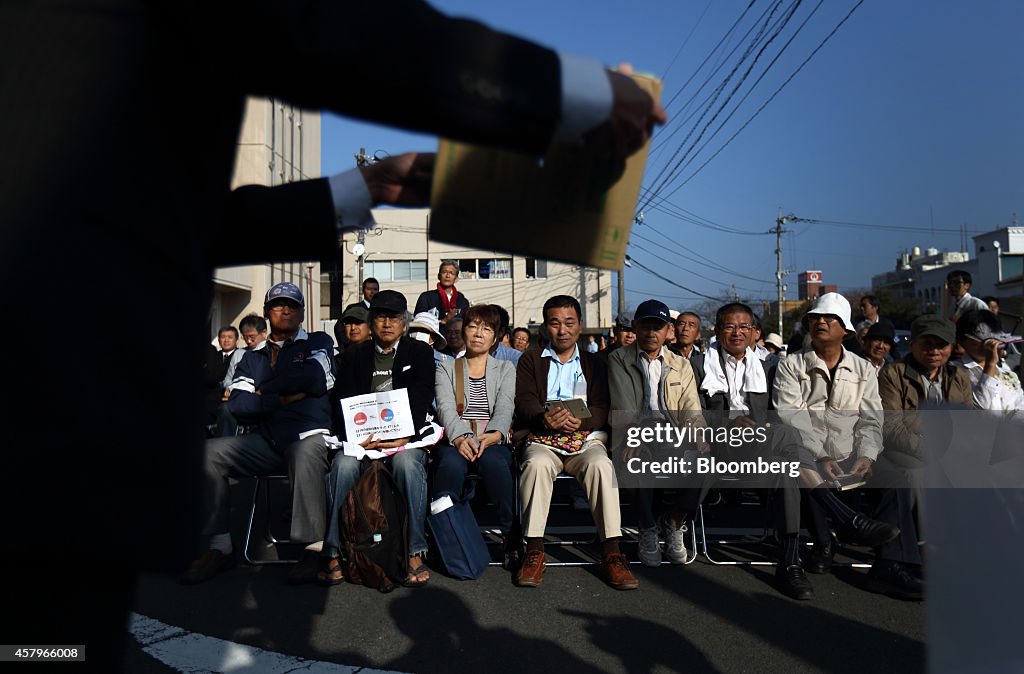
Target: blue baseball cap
x=652, y=309
x=285, y=291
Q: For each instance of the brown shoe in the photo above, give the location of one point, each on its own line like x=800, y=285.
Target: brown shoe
x=209, y=564
x=532, y=570
x=615, y=568
x=305, y=569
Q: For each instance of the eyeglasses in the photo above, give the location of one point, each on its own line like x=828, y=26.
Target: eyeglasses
x=387, y=319
x=828, y=318
x=741, y=327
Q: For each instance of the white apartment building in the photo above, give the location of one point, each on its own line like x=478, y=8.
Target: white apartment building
x=996, y=269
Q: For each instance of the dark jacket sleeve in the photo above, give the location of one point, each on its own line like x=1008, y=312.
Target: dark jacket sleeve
x=312, y=374
x=451, y=77
x=420, y=380
x=423, y=302
x=259, y=213
x=529, y=401
x=247, y=405
x=598, y=397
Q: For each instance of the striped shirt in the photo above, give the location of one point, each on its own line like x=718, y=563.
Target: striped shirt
x=476, y=400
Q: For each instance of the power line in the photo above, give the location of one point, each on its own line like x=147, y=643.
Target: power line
x=706, y=262
x=690, y=271
x=749, y=91
x=770, y=99
x=650, y=271
x=779, y=26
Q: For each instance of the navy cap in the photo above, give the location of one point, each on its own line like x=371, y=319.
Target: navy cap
x=286, y=291
x=652, y=309
x=389, y=302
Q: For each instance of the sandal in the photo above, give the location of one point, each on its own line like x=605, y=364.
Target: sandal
x=330, y=572
x=412, y=580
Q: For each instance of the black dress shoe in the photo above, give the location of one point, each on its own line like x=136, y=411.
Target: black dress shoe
x=793, y=582
x=894, y=579
x=209, y=564
x=820, y=558
x=512, y=554
x=305, y=569
x=862, y=530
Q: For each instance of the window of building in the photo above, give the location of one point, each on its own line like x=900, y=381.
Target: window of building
x=536, y=268
x=486, y=268
x=396, y=270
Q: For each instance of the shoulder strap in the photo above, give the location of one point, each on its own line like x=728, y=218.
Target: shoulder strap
x=460, y=386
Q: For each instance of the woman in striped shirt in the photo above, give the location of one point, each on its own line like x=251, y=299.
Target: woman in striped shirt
x=475, y=397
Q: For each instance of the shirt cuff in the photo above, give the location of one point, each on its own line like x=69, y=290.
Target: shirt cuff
x=352, y=201
x=586, y=97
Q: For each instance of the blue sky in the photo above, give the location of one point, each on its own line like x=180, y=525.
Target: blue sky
x=910, y=115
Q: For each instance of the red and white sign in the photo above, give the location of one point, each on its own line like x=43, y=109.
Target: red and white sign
x=385, y=415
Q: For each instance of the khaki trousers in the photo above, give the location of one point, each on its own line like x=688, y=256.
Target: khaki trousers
x=592, y=468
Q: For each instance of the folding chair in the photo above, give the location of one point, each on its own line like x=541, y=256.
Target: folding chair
x=268, y=534
x=734, y=483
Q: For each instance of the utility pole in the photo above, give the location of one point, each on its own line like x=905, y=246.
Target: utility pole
x=362, y=159
x=621, y=279
x=779, y=271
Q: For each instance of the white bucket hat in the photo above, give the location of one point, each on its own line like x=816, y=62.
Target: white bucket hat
x=427, y=320
x=834, y=304
x=774, y=339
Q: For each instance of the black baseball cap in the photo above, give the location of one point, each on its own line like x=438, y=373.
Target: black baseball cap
x=882, y=331
x=652, y=309
x=389, y=302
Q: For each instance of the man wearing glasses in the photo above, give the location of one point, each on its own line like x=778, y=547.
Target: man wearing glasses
x=388, y=361
x=830, y=396
x=281, y=388
x=958, y=283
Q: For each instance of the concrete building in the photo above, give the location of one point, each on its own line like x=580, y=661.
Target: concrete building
x=996, y=269
x=278, y=143
x=401, y=256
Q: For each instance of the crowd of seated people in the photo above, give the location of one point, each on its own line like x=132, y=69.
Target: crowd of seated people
x=836, y=416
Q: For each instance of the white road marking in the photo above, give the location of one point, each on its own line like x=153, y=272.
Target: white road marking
x=194, y=653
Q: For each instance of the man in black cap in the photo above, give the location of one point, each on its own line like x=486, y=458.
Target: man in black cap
x=353, y=328
x=389, y=361
x=283, y=390
x=622, y=335
x=878, y=341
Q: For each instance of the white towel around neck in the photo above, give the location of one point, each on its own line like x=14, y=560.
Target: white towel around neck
x=714, y=377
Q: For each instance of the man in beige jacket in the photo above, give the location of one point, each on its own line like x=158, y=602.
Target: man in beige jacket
x=649, y=383
x=831, y=397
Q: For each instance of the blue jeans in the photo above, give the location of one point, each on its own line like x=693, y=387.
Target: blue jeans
x=494, y=466
x=410, y=470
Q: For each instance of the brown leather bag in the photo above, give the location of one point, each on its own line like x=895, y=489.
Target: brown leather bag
x=374, y=530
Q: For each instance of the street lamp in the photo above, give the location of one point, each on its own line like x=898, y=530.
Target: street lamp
x=999, y=260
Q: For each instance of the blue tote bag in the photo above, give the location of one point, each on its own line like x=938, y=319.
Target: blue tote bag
x=458, y=538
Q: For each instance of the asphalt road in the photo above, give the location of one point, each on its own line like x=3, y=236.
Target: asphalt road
x=695, y=618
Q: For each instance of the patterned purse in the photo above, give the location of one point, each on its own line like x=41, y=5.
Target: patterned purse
x=566, y=442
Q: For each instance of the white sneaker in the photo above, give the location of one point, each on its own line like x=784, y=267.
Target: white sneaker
x=650, y=549
x=675, y=547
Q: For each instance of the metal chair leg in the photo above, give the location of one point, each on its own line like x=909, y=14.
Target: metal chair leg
x=268, y=536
